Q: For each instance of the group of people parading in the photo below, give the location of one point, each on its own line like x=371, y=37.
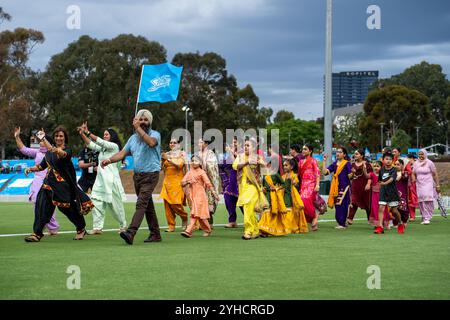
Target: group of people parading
x=277, y=195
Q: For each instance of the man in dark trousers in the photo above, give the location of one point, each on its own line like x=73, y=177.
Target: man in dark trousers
x=145, y=147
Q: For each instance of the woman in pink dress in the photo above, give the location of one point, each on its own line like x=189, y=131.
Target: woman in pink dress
x=37, y=155
x=197, y=182
x=427, y=180
x=373, y=177
x=309, y=175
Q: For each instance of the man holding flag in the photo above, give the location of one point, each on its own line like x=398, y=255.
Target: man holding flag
x=158, y=83
x=145, y=147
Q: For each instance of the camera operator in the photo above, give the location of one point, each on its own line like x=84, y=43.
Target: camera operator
x=88, y=162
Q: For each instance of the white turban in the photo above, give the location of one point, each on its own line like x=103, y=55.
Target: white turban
x=146, y=114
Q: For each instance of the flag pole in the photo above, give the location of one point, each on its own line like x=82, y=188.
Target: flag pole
x=139, y=91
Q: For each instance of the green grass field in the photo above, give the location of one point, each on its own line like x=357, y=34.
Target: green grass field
x=328, y=264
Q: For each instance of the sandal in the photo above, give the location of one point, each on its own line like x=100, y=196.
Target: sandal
x=246, y=237
x=186, y=234
x=315, y=227
x=80, y=234
x=33, y=238
x=94, y=232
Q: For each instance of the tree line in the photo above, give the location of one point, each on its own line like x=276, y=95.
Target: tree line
x=97, y=80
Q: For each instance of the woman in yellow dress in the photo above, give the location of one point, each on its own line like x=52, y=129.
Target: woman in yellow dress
x=251, y=198
x=172, y=192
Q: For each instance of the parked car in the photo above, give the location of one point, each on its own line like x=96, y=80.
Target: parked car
x=433, y=155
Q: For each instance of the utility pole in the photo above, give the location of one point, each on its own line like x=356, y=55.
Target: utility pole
x=417, y=137
x=328, y=82
x=289, y=135
x=186, y=110
x=381, y=136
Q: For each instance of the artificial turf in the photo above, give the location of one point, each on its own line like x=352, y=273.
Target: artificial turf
x=327, y=264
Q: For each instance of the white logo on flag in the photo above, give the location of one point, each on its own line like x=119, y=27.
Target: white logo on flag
x=159, y=82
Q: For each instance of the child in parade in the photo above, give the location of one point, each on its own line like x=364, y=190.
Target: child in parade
x=388, y=193
x=295, y=219
x=402, y=187
x=373, y=177
x=197, y=181
x=271, y=222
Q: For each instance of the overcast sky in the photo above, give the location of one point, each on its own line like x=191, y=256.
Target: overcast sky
x=277, y=46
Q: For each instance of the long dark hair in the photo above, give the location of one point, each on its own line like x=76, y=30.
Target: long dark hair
x=309, y=146
x=114, y=137
x=293, y=163
x=345, y=152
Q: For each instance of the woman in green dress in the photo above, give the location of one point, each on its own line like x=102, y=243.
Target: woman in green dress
x=107, y=192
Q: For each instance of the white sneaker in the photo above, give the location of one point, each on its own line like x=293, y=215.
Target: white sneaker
x=340, y=227
x=425, y=222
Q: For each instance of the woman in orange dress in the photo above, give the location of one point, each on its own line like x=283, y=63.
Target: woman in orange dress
x=197, y=181
x=172, y=192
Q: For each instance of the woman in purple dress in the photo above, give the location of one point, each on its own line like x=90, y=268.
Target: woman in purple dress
x=229, y=184
x=37, y=155
x=340, y=185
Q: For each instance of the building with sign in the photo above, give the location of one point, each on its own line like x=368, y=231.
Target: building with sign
x=351, y=87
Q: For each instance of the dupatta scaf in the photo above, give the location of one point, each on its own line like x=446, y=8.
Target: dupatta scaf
x=261, y=204
x=334, y=189
x=297, y=205
x=277, y=204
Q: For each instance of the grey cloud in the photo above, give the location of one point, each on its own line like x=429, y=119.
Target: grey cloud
x=278, y=46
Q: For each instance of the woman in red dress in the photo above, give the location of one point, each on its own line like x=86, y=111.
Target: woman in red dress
x=361, y=194
x=413, y=201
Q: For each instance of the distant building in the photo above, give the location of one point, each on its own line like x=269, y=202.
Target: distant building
x=351, y=87
x=339, y=113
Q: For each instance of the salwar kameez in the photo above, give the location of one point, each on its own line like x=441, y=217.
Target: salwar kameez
x=424, y=169
x=248, y=194
x=172, y=192
x=402, y=188
x=211, y=167
x=107, y=192
x=230, y=189
x=198, y=183
x=360, y=197
x=294, y=219
x=342, y=198
x=308, y=174
x=272, y=220
x=60, y=189
x=36, y=184
x=375, y=198
x=413, y=201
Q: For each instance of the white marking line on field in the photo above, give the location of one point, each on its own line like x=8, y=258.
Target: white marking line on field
x=107, y=230
x=165, y=227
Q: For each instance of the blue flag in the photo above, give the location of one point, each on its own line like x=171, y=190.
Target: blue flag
x=159, y=83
